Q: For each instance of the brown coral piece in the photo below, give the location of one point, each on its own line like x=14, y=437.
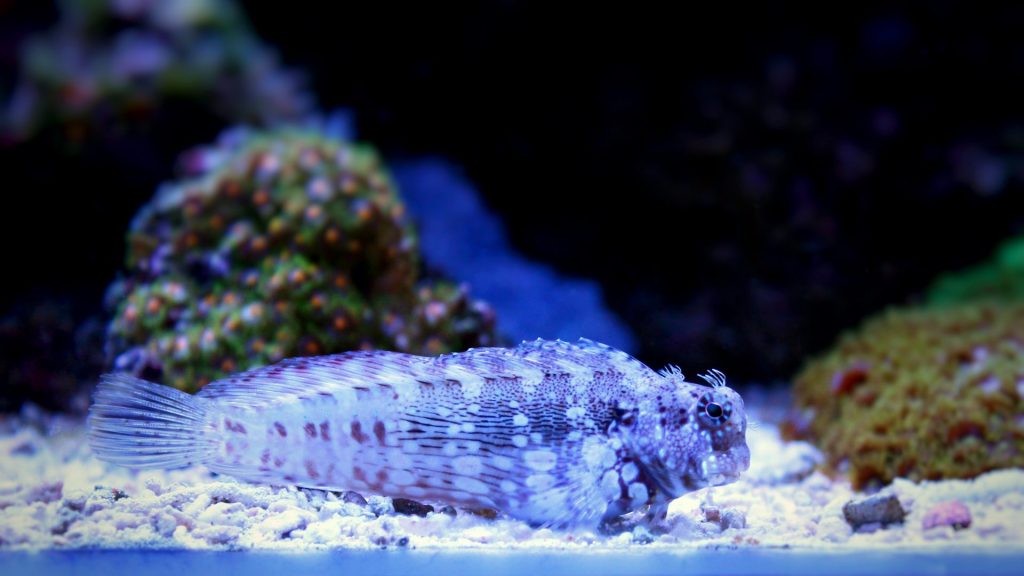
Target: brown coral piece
x=921, y=393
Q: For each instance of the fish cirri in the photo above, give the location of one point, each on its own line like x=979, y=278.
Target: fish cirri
x=551, y=432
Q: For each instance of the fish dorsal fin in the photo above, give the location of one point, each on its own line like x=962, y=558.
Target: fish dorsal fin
x=584, y=350
x=349, y=372
x=304, y=377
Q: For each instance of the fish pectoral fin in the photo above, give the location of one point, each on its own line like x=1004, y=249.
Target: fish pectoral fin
x=569, y=502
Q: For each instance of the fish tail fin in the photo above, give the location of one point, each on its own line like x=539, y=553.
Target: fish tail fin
x=141, y=424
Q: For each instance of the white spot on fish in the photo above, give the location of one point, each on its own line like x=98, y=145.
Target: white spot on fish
x=638, y=492
x=520, y=441
x=502, y=462
x=520, y=420
x=469, y=465
x=472, y=384
x=530, y=379
x=597, y=454
x=629, y=472
x=470, y=485
x=540, y=482
x=540, y=460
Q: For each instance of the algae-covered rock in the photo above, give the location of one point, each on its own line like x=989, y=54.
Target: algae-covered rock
x=921, y=393
x=1001, y=278
x=278, y=244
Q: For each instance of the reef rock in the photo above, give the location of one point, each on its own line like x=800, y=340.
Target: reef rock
x=880, y=509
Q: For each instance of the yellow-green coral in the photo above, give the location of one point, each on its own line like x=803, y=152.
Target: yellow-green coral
x=921, y=393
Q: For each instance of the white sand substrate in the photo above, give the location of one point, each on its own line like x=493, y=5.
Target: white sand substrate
x=55, y=494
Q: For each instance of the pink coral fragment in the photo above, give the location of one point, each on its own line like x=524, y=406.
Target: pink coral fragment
x=952, y=513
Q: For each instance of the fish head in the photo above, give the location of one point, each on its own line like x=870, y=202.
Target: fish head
x=690, y=436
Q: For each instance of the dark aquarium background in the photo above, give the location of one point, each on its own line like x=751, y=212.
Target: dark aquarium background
x=727, y=185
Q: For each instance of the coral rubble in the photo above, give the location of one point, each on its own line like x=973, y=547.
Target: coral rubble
x=278, y=244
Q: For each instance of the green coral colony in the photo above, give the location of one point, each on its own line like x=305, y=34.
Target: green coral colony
x=278, y=244
x=926, y=392
x=1000, y=279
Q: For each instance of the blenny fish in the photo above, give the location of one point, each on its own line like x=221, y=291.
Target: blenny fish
x=554, y=433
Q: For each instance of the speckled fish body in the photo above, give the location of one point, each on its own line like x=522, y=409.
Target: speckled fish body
x=550, y=432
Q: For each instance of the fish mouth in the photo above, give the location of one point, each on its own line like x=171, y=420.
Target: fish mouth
x=726, y=467
x=697, y=476
x=721, y=479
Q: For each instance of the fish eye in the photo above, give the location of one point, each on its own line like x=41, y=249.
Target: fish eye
x=714, y=408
